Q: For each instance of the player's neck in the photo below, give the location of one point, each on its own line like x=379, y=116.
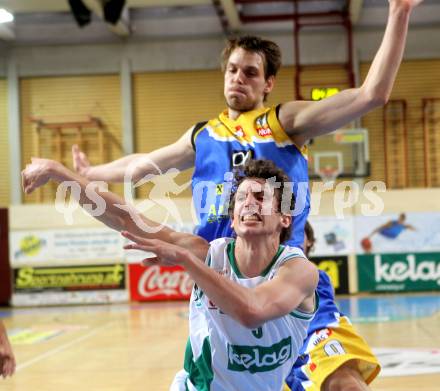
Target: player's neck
x=254, y=256
x=234, y=114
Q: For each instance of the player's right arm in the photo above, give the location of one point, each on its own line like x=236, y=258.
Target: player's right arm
x=293, y=287
x=117, y=214
x=179, y=154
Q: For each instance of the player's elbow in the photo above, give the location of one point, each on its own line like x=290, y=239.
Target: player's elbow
x=252, y=317
x=375, y=97
x=251, y=322
x=379, y=99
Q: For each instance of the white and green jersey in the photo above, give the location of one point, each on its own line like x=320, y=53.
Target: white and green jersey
x=222, y=354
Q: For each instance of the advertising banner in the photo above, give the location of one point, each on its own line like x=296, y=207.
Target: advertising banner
x=398, y=272
x=62, y=247
x=398, y=233
x=69, y=285
x=333, y=236
x=337, y=269
x=36, y=299
x=150, y=283
x=87, y=277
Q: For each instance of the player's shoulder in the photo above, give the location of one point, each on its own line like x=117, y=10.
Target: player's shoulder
x=292, y=252
x=220, y=243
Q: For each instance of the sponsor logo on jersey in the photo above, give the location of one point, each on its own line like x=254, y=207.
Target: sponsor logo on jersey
x=262, y=126
x=259, y=358
x=258, y=333
x=264, y=132
x=240, y=158
x=319, y=336
x=239, y=132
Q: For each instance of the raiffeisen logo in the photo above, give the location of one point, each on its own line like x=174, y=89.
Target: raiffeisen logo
x=259, y=358
x=29, y=246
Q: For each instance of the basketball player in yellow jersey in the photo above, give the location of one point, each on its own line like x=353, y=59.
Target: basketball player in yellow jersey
x=250, y=66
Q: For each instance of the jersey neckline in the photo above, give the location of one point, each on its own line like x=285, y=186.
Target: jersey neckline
x=230, y=250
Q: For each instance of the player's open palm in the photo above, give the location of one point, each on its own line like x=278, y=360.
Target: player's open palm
x=166, y=254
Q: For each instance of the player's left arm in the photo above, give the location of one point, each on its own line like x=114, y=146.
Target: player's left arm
x=292, y=288
x=305, y=120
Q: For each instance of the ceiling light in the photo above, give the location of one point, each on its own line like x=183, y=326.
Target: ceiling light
x=5, y=16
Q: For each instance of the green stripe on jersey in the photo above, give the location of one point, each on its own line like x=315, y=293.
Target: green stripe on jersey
x=199, y=370
x=233, y=262
x=307, y=315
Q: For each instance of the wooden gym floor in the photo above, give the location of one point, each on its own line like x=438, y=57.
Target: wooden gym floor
x=139, y=347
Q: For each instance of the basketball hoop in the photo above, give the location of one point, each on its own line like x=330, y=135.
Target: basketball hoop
x=328, y=165
x=328, y=173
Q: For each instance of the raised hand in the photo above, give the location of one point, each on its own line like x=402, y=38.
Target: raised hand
x=36, y=174
x=81, y=163
x=166, y=254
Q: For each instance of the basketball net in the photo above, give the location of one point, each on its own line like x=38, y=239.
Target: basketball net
x=328, y=174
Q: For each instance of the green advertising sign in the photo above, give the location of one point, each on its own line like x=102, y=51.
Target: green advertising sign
x=398, y=272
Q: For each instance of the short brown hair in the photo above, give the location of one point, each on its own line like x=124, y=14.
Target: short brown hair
x=266, y=169
x=310, y=235
x=269, y=50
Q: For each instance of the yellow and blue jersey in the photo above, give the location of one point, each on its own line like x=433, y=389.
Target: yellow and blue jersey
x=224, y=144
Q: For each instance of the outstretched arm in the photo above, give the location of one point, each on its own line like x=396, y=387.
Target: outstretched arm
x=117, y=213
x=292, y=287
x=7, y=359
x=178, y=155
x=305, y=120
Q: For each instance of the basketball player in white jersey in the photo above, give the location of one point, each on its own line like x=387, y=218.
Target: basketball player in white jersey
x=253, y=298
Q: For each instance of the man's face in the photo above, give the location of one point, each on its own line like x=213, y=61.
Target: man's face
x=245, y=85
x=256, y=211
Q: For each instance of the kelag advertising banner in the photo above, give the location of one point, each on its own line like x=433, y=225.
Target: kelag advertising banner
x=398, y=233
x=399, y=272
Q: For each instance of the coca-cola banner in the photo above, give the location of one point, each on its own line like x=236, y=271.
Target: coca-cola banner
x=153, y=283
